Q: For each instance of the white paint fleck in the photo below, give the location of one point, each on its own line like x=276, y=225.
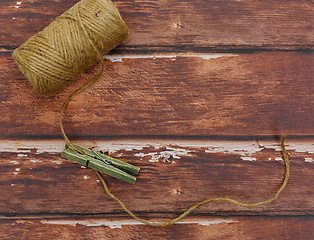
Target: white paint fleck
x=14, y=162
x=97, y=180
x=13, y=18
x=83, y=167
x=119, y=58
x=16, y=6
x=85, y=177
x=57, y=161
x=18, y=3
x=15, y=173
x=154, y=158
x=308, y=159
x=143, y=154
x=278, y=158
x=269, y=159
x=130, y=148
x=17, y=169
x=119, y=224
x=22, y=155
x=171, y=153
x=212, y=222
x=12, y=184
x=35, y=160
x=248, y=158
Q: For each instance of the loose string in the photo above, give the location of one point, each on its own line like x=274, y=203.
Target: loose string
x=84, y=87
x=194, y=207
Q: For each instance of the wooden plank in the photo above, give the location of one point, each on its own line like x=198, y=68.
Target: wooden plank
x=201, y=228
x=265, y=93
x=175, y=174
x=203, y=25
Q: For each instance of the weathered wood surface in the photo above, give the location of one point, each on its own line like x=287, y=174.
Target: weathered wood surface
x=175, y=174
x=214, y=94
x=165, y=88
x=244, y=228
x=163, y=25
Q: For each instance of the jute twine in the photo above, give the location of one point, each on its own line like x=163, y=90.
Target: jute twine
x=75, y=41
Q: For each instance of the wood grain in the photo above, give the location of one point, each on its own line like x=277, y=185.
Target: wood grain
x=244, y=228
x=266, y=93
x=201, y=26
x=175, y=174
x=165, y=81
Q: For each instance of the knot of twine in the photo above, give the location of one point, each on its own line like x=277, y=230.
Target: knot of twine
x=75, y=41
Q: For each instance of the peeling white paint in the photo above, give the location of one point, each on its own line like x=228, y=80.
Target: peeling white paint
x=154, y=158
x=248, y=159
x=12, y=184
x=27, y=146
x=131, y=148
x=173, y=153
x=35, y=160
x=119, y=58
x=17, y=169
x=85, y=177
x=182, y=147
x=278, y=159
x=212, y=222
x=242, y=148
x=22, y=155
x=308, y=159
x=14, y=162
x=119, y=224
x=295, y=145
x=57, y=161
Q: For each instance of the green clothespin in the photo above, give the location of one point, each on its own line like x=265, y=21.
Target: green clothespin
x=102, y=163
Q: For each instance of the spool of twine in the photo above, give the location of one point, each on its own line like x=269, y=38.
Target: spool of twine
x=73, y=42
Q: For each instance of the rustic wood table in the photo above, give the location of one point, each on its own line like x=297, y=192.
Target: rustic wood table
x=197, y=97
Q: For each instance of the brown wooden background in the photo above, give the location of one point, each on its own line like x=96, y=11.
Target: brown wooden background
x=197, y=97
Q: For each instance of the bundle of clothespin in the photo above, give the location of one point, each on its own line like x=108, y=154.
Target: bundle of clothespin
x=102, y=163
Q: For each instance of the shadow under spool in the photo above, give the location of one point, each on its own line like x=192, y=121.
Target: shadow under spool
x=69, y=45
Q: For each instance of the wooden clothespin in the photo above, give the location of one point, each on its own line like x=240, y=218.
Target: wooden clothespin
x=102, y=163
